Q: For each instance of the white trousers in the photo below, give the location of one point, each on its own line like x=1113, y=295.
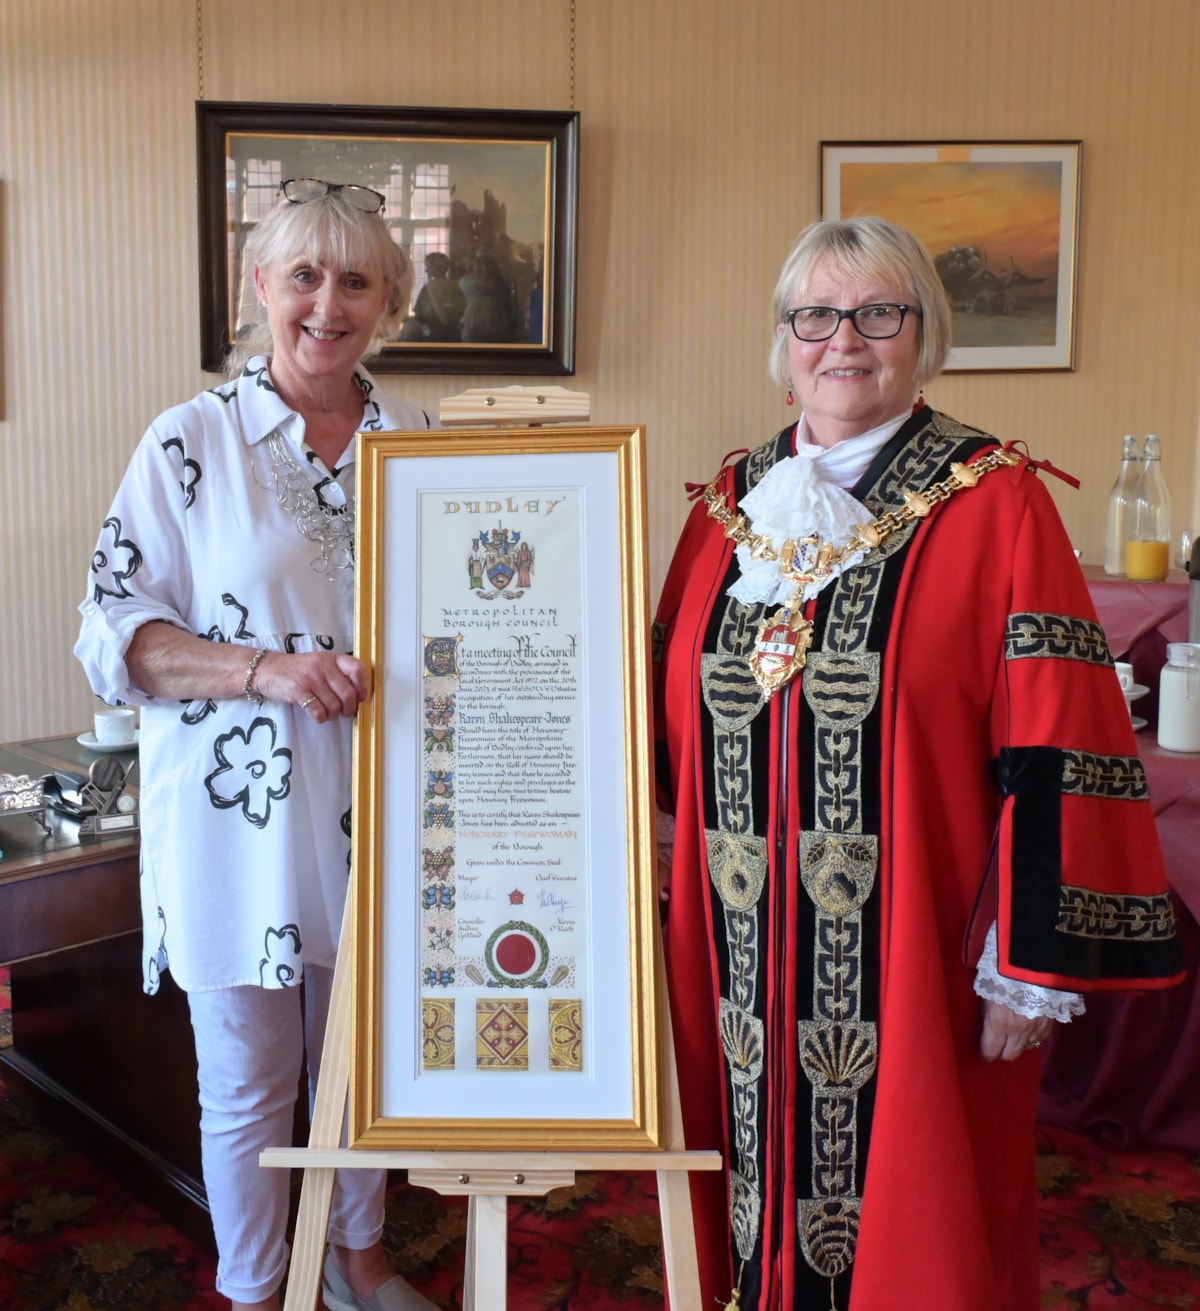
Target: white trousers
x=250, y=1043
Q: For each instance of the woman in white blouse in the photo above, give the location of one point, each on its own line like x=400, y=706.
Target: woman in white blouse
x=221, y=602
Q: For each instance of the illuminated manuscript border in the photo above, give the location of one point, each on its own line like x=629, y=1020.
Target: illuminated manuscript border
x=505, y=913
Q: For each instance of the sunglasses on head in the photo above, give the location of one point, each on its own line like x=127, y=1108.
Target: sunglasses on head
x=301, y=190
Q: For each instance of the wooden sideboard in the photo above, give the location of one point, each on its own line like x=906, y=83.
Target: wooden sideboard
x=84, y=1032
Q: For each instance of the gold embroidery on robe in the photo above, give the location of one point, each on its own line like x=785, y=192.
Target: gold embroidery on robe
x=1055, y=637
x=1119, y=778
x=1086, y=914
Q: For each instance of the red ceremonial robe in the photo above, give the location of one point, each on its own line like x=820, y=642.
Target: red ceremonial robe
x=956, y=752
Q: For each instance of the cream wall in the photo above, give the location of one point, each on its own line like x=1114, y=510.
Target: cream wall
x=701, y=121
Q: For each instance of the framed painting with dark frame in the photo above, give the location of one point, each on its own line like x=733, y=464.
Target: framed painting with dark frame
x=503, y=857
x=1001, y=220
x=483, y=202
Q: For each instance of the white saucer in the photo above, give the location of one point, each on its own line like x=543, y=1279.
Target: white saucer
x=1136, y=692
x=88, y=740
x=1139, y=724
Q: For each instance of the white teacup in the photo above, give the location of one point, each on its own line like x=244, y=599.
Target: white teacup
x=115, y=726
x=1124, y=675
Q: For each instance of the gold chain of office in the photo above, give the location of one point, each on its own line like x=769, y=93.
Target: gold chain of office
x=785, y=636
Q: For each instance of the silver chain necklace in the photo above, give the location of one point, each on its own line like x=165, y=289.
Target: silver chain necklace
x=332, y=530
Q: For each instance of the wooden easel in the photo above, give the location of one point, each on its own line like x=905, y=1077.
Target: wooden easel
x=501, y=407
x=487, y=1179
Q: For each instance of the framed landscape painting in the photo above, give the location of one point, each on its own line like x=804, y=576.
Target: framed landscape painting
x=1001, y=221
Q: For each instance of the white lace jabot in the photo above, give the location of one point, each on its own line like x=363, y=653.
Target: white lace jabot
x=793, y=501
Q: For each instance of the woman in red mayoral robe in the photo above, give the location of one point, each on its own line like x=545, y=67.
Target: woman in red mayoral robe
x=910, y=822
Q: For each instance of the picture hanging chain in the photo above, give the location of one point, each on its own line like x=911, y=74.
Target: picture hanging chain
x=572, y=52
x=200, y=49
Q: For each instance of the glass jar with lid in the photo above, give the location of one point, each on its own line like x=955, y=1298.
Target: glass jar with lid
x=1179, y=698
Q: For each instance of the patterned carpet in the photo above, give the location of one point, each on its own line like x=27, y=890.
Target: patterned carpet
x=1119, y=1229
x=1120, y=1232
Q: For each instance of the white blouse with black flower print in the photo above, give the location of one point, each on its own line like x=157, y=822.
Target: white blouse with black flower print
x=245, y=809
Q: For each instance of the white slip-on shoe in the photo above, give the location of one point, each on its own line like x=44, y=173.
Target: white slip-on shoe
x=396, y=1295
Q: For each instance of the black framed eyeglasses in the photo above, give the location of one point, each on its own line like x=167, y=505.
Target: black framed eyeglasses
x=301, y=190
x=820, y=322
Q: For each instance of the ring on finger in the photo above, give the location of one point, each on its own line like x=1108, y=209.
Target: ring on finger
x=304, y=705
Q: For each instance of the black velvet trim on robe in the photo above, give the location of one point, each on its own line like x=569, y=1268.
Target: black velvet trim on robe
x=1032, y=776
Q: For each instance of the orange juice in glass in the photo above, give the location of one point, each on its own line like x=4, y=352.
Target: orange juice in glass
x=1147, y=561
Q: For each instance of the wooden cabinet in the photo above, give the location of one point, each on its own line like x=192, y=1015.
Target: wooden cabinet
x=84, y=1032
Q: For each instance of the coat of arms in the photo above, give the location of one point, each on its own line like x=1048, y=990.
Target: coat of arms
x=781, y=649
x=502, y=557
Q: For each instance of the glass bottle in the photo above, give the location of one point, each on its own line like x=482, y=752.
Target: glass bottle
x=1148, y=545
x=1120, y=502
x=1194, y=594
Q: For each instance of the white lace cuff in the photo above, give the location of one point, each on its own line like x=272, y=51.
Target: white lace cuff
x=1028, y=999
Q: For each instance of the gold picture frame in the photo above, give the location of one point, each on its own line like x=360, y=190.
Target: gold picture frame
x=505, y=925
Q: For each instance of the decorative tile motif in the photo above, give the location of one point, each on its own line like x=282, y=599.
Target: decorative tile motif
x=437, y=1033
x=566, y=1034
x=502, y=1034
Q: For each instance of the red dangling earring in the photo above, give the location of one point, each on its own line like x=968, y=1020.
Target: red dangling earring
x=791, y=400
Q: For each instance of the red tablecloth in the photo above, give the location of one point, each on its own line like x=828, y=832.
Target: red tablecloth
x=1129, y=1070
x=1139, y=619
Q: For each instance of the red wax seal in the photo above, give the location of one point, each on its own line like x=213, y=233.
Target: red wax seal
x=516, y=954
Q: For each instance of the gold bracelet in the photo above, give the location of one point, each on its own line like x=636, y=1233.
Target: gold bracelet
x=255, y=698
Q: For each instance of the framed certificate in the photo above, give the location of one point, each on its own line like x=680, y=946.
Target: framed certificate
x=503, y=854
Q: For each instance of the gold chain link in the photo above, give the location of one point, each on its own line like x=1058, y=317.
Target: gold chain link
x=200, y=49
x=827, y=557
x=572, y=54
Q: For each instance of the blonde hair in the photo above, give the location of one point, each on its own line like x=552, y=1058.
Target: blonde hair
x=332, y=233
x=865, y=249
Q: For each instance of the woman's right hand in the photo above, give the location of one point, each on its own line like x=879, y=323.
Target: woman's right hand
x=325, y=684
x=165, y=661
